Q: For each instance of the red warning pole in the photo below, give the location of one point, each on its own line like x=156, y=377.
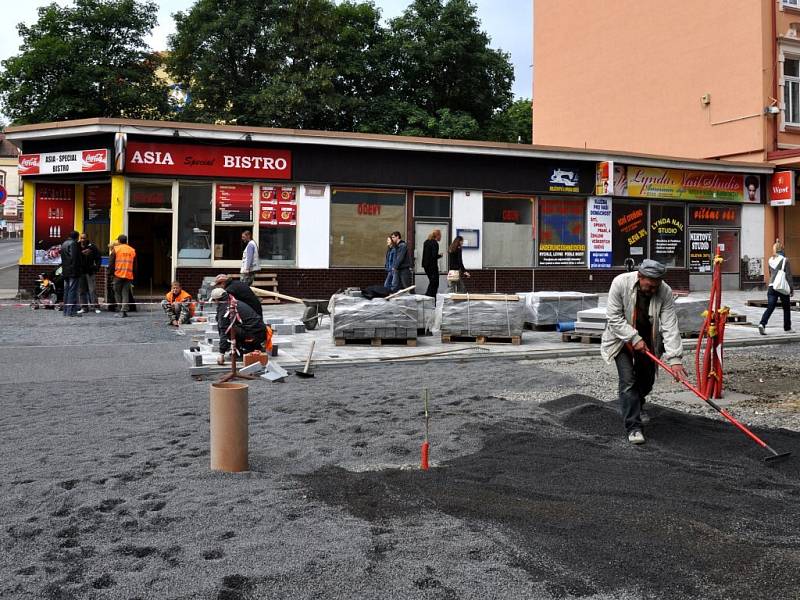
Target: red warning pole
x=425, y=445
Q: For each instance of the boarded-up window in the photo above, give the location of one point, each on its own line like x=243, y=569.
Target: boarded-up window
x=508, y=231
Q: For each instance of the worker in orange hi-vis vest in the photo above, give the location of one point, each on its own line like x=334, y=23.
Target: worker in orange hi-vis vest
x=122, y=263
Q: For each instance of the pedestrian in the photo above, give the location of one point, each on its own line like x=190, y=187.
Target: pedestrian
x=71, y=271
x=401, y=264
x=641, y=316
x=389, y=283
x=780, y=288
x=248, y=329
x=250, y=263
x=90, y=265
x=122, y=263
x=456, y=272
x=430, y=261
x=240, y=291
x=178, y=305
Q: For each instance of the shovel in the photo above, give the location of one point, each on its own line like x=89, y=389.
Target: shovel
x=305, y=373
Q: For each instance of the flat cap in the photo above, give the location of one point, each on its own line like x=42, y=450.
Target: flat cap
x=652, y=269
x=218, y=294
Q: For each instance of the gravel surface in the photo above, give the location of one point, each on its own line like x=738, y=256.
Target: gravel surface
x=105, y=490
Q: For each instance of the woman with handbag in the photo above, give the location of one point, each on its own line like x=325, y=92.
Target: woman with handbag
x=457, y=273
x=780, y=288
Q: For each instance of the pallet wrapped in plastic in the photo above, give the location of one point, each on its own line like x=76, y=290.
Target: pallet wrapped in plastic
x=690, y=314
x=356, y=317
x=551, y=308
x=498, y=318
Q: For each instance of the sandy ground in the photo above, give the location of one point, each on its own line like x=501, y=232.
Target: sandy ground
x=105, y=490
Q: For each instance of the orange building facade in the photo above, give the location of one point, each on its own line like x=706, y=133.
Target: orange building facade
x=713, y=80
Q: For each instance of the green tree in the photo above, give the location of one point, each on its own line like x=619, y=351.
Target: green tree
x=86, y=60
x=515, y=124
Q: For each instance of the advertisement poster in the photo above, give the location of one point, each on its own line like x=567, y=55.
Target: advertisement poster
x=562, y=234
x=700, y=251
x=234, y=202
x=599, y=218
x=73, y=161
x=55, y=219
x=781, y=188
x=648, y=182
x=97, y=199
x=604, y=178
x=629, y=231
x=278, y=206
x=667, y=235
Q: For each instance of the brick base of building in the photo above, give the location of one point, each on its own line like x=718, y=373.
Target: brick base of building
x=28, y=274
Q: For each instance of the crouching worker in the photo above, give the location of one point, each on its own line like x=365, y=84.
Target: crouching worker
x=178, y=305
x=641, y=316
x=248, y=328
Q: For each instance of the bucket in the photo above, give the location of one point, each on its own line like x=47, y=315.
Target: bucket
x=228, y=423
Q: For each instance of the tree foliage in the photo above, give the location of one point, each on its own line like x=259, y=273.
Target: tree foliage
x=86, y=60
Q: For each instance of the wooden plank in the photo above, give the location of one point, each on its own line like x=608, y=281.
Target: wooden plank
x=375, y=341
x=583, y=338
x=482, y=339
x=497, y=297
x=269, y=294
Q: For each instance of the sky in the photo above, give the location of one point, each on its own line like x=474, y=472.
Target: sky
x=507, y=22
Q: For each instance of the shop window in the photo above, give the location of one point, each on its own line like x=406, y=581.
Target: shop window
x=277, y=224
x=233, y=204
x=791, y=90
x=150, y=195
x=629, y=232
x=361, y=220
x=508, y=232
x=667, y=234
x=432, y=206
x=97, y=214
x=562, y=232
x=194, y=222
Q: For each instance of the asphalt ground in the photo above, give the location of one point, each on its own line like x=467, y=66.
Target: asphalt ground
x=106, y=492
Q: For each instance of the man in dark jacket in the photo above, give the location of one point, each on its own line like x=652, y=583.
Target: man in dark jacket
x=402, y=262
x=90, y=264
x=430, y=262
x=248, y=330
x=240, y=291
x=71, y=271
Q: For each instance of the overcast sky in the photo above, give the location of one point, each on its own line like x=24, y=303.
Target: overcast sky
x=508, y=23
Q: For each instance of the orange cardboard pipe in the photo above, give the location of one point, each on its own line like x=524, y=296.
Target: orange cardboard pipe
x=229, y=429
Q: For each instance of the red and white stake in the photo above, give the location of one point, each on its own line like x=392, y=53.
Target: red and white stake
x=425, y=445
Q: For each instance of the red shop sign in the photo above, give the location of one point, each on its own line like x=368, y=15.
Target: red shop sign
x=207, y=161
x=781, y=188
x=369, y=209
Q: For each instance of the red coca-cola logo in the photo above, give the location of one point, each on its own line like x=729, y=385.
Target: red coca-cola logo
x=29, y=164
x=95, y=160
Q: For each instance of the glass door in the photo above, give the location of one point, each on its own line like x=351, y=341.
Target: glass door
x=728, y=244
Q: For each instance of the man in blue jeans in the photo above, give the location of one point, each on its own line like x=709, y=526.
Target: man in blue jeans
x=71, y=271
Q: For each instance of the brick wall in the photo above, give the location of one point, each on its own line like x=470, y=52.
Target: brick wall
x=29, y=273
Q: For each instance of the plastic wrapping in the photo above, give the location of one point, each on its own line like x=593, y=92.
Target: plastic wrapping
x=551, y=308
x=354, y=317
x=479, y=317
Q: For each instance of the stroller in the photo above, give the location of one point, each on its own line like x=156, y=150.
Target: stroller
x=44, y=294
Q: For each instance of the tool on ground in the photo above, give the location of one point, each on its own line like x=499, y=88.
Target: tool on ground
x=775, y=455
x=305, y=373
x=425, y=445
x=315, y=309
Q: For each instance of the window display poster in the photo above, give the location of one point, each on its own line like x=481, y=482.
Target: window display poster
x=629, y=231
x=234, y=202
x=562, y=234
x=97, y=200
x=598, y=211
x=700, y=251
x=666, y=235
x=278, y=206
x=55, y=219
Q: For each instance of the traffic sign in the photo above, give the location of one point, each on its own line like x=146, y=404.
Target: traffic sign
x=2, y=194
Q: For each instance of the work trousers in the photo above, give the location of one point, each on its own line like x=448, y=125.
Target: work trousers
x=87, y=292
x=772, y=302
x=122, y=293
x=70, y=296
x=433, y=283
x=636, y=377
x=178, y=311
x=246, y=278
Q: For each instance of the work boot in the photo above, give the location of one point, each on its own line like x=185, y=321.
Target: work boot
x=761, y=329
x=636, y=437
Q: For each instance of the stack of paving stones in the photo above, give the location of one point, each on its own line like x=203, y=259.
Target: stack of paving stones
x=591, y=321
x=551, y=308
x=357, y=318
x=204, y=293
x=483, y=317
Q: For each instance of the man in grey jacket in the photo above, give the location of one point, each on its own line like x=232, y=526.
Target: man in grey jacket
x=641, y=315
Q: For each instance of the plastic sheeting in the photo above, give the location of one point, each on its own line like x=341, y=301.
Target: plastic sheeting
x=550, y=308
x=498, y=318
x=356, y=317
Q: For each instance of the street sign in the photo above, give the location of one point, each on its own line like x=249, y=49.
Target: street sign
x=2, y=194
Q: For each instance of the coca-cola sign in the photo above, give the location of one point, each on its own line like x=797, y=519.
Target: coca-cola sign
x=67, y=161
x=207, y=161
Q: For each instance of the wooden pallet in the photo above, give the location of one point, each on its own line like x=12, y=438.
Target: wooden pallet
x=516, y=340
x=534, y=327
x=736, y=318
x=583, y=338
x=375, y=341
x=762, y=303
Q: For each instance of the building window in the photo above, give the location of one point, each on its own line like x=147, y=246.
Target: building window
x=791, y=3
x=432, y=206
x=562, y=232
x=508, y=231
x=97, y=214
x=361, y=220
x=628, y=232
x=3, y=178
x=150, y=195
x=791, y=90
x=667, y=234
x=194, y=222
x=277, y=224
x=233, y=215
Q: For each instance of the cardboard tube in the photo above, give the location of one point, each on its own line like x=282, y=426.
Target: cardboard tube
x=228, y=422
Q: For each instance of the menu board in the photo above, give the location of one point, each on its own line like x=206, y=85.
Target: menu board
x=562, y=232
x=234, y=202
x=700, y=251
x=97, y=200
x=277, y=206
x=666, y=235
x=55, y=219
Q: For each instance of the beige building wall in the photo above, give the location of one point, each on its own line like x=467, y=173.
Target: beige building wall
x=632, y=74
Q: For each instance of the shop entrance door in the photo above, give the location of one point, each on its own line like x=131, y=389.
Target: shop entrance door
x=150, y=234
x=703, y=243
x=422, y=230
x=728, y=243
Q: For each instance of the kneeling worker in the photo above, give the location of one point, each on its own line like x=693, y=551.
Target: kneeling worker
x=641, y=315
x=240, y=291
x=249, y=330
x=178, y=305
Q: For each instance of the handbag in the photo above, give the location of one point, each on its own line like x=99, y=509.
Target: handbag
x=454, y=275
x=780, y=284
